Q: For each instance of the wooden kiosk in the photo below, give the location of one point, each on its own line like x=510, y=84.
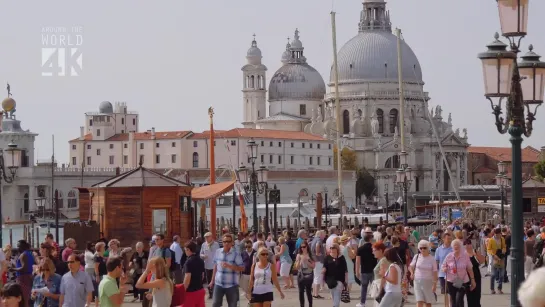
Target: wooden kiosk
x=133, y=206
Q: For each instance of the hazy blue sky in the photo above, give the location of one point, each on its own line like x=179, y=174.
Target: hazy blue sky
x=171, y=60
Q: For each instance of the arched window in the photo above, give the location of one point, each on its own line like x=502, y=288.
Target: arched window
x=360, y=113
x=380, y=119
x=26, y=203
x=393, y=120
x=195, y=160
x=346, y=122
x=252, y=82
x=72, y=199
x=60, y=203
x=392, y=162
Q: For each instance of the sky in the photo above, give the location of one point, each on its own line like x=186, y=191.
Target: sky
x=172, y=59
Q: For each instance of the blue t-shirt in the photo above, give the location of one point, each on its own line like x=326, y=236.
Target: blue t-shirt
x=440, y=255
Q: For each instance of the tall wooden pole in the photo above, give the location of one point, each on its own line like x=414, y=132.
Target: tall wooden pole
x=338, y=115
x=212, y=173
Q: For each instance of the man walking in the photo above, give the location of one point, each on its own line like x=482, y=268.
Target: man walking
x=208, y=251
x=76, y=286
x=318, y=250
x=365, y=263
x=440, y=255
x=225, y=277
x=177, y=261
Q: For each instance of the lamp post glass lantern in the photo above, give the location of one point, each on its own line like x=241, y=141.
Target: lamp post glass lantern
x=10, y=158
x=515, y=91
x=404, y=178
x=254, y=181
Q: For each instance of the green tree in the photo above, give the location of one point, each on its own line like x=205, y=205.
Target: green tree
x=348, y=159
x=539, y=170
x=365, y=184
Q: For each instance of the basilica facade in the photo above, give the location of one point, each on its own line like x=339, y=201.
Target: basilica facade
x=369, y=100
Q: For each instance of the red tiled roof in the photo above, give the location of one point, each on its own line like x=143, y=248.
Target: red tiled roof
x=529, y=154
x=482, y=169
x=259, y=134
x=159, y=135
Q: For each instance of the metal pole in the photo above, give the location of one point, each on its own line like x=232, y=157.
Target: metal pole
x=386, y=196
x=326, y=221
x=253, y=184
x=401, y=94
x=405, y=209
x=517, y=255
x=299, y=212
x=274, y=216
x=234, y=211
x=502, y=193
x=267, y=230
x=338, y=115
x=56, y=214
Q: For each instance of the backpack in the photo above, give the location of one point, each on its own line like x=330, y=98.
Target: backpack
x=538, y=248
x=173, y=264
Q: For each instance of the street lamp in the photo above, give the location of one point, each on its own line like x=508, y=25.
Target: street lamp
x=404, y=178
x=521, y=85
x=255, y=181
x=325, y=199
x=10, y=158
x=274, y=197
x=386, y=198
x=501, y=181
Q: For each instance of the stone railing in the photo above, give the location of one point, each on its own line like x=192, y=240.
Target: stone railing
x=378, y=94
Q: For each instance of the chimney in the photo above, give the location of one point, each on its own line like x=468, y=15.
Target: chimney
x=542, y=153
x=81, y=131
x=153, y=132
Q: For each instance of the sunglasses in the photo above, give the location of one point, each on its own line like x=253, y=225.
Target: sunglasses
x=70, y=262
x=422, y=248
x=264, y=254
x=304, y=246
x=229, y=241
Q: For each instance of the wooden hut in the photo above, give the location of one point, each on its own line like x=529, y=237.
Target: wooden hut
x=133, y=206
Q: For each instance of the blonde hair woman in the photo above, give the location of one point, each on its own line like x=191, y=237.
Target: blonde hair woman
x=161, y=286
x=262, y=278
x=285, y=262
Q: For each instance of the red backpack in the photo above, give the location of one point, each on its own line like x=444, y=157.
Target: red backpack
x=178, y=295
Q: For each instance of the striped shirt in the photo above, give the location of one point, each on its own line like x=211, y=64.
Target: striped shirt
x=227, y=278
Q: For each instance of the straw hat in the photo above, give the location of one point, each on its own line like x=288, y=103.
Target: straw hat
x=344, y=239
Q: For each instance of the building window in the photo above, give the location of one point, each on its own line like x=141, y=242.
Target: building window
x=125, y=145
x=173, y=144
x=291, y=159
x=318, y=145
x=88, y=146
x=141, y=145
x=73, y=147
x=279, y=159
x=329, y=161
x=392, y=162
x=90, y=122
x=72, y=199
x=302, y=109
x=380, y=119
x=270, y=159
x=346, y=122
x=279, y=144
x=195, y=160
x=111, y=146
x=159, y=220
x=393, y=120
x=122, y=131
x=303, y=145
x=262, y=143
x=156, y=145
x=157, y=159
x=111, y=160
x=134, y=121
x=125, y=159
x=233, y=142
x=122, y=121
x=214, y=143
x=527, y=205
x=262, y=158
x=318, y=161
x=60, y=203
x=141, y=159
x=329, y=147
x=26, y=203
x=98, y=132
x=292, y=145
x=173, y=158
x=270, y=144
x=310, y=160
x=74, y=160
x=98, y=152
x=88, y=160
x=310, y=144
x=195, y=144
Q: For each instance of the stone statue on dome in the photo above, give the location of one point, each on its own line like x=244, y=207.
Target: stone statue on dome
x=450, y=119
x=319, y=118
x=438, y=111
x=9, y=90
x=464, y=131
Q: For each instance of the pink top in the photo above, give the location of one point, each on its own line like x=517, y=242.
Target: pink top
x=424, y=266
x=457, y=266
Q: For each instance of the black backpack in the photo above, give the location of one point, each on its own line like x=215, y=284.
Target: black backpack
x=172, y=258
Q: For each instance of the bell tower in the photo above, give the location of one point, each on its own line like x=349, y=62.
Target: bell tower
x=254, y=92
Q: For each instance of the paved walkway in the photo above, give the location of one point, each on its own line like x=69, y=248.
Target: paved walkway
x=292, y=298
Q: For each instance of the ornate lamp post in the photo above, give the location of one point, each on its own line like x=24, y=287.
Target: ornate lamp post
x=386, y=199
x=10, y=158
x=501, y=181
x=274, y=197
x=520, y=85
x=404, y=178
x=254, y=180
x=326, y=208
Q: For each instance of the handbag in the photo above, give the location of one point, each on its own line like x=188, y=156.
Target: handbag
x=380, y=296
x=375, y=289
x=345, y=295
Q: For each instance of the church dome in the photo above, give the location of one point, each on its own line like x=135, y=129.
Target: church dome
x=372, y=55
x=254, y=51
x=106, y=107
x=296, y=82
x=8, y=104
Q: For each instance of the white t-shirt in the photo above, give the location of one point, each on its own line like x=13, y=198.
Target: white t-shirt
x=256, y=243
x=377, y=236
x=329, y=241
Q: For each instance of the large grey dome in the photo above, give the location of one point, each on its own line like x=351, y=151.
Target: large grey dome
x=296, y=81
x=106, y=107
x=372, y=55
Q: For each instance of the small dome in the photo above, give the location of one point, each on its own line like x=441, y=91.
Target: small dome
x=8, y=104
x=106, y=107
x=372, y=55
x=296, y=43
x=296, y=81
x=254, y=51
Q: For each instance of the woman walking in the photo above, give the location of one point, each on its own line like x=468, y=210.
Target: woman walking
x=304, y=264
x=23, y=268
x=382, y=264
x=460, y=278
x=392, y=276
x=262, y=278
x=46, y=278
x=162, y=286
x=474, y=297
x=335, y=273
x=349, y=254
x=424, y=272
x=139, y=261
x=285, y=263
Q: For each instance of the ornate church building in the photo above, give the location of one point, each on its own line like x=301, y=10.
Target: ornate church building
x=369, y=101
